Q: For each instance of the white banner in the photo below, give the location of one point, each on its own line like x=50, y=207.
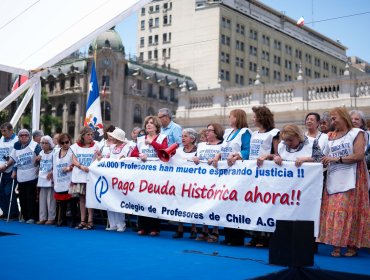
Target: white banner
x=242, y=196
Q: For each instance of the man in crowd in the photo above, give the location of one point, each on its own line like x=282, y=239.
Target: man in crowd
x=169, y=128
x=6, y=185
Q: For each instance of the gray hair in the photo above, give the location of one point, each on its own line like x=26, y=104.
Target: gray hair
x=36, y=133
x=325, y=117
x=362, y=116
x=136, y=128
x=166, y=111
x=192, y=133
x=48, y=139
x=24, y=131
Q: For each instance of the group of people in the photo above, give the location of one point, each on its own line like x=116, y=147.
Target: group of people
x=54, y=171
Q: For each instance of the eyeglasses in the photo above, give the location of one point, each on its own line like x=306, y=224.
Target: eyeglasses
x=63, y=143
x=44, y=143
x=23, y=135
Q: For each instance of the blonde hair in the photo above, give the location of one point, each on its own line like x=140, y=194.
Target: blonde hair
x=344, y=115
x=292, y=130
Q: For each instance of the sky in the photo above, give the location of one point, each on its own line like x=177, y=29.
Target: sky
x=351, y=31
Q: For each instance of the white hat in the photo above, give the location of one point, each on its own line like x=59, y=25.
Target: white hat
x=118, y=134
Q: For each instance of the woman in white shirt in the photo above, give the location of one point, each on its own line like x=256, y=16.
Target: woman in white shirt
x=312, y=123
x=118, y=149
x=85, y=151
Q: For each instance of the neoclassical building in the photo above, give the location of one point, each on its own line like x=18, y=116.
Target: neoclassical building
x=129, y=90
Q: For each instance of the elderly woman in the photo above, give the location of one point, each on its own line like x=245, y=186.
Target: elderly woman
x=147, y=148
x=312, y=123
x=62, y=177
x=85, y=151
x=206, y=152
x=24, y=156
x=325, y=123
x=296, y=147
x=186, y=152
x=47, y=203
x=118, y=149
x=344, y=218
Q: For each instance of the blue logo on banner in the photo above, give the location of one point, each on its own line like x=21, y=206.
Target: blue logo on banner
x=101, y=187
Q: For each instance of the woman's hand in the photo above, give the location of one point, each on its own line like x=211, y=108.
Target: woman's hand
x=232, y=158
x=326, y=160
x=143, y=157
x=49, y=177
x=196, y=160
x=278, y=160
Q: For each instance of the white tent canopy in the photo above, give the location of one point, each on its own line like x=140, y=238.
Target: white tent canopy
x=36, y=34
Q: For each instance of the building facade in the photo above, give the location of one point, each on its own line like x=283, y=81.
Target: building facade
x=230, y=40
x=289, y=101
x=129, y=91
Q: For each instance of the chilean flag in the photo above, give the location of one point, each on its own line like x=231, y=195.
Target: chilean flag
x=18, y=82
x=93, y=117
x=300, y=22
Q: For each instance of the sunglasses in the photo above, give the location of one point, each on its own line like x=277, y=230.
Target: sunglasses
x=63, y=143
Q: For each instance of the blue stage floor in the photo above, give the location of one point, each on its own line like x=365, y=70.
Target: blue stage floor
x=50, y=252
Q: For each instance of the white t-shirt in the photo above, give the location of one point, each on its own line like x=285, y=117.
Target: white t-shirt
x=85, y=157
x=46, y=165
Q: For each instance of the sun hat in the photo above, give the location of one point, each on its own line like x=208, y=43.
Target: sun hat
x=118, y=134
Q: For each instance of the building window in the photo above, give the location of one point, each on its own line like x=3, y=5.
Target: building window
x=326, y=65
x=59, y=112
x=225, y=75
x=106, y=111
x=142, y=25
x=277, y=75
x=150, y=90
x=151, y=112
x=225, y=40
x=105, y=80
x=308, y=72
x=155, y=39
x=150, y=22
x=239, y=79
x=225, y=57
x=265, y=55
x=287, y=78
x=164, y=53
x=317, y=75
x=156, y=22
x=239, y=62
x=141, y=42
x=165, y=20
x=239, y=45
x=308, y=58
x=252, y=50
x=253, y=34
x=150, y=40
x=277, y=45
x=226, y=23
x=62, y=82
x=72, y=81
x=150, y=55
x=334, y=69
x=288, y=49
x=265, y=71
x=317, y=62
x=143, y=11
x=277, y=60
x=156, y=8
x=298, y=54
x=155, y=54
x=240, y=28
x=72, y=109
x=252, y=67
x=137, y=114
x=266, y=40
x=161, y=93
x=141, y=56
x=172, y=95
x=288, y=64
